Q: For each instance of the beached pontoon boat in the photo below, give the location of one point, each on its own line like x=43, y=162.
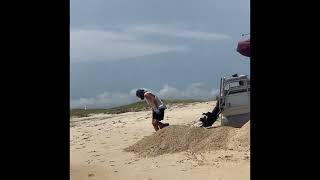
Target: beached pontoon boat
x=234, y=100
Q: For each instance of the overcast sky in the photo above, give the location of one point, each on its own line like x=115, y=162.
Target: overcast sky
x=177, y=49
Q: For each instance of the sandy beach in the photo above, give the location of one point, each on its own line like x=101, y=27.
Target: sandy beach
x=126, y=147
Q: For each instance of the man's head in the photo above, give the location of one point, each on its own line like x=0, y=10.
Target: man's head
x=140, y=93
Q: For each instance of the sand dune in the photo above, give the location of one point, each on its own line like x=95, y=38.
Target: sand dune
x=125, y=146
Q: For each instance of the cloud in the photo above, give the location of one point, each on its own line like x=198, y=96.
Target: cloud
x=98, y=45
x=105, y=100
x=173, y=31
x=195, y=91
x=116, y=43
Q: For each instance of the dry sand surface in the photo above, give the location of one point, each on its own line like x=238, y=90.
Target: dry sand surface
x=125, y=146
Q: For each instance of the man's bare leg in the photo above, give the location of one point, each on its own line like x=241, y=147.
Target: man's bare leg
x=162, y=125
x=155, y=124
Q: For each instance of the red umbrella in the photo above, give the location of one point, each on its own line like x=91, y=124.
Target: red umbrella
x=244, y=48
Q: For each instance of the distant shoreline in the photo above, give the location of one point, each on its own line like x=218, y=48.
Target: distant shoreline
x=133, y=107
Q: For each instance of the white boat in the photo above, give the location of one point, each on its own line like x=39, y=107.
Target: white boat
x=234, y=100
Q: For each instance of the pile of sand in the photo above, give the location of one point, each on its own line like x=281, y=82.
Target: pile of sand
x=178, y=138
x=240, y=138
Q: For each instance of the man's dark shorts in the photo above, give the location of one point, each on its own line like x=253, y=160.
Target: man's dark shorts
x=158, y=117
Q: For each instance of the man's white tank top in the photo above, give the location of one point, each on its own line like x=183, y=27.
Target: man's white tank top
x=160, y=104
